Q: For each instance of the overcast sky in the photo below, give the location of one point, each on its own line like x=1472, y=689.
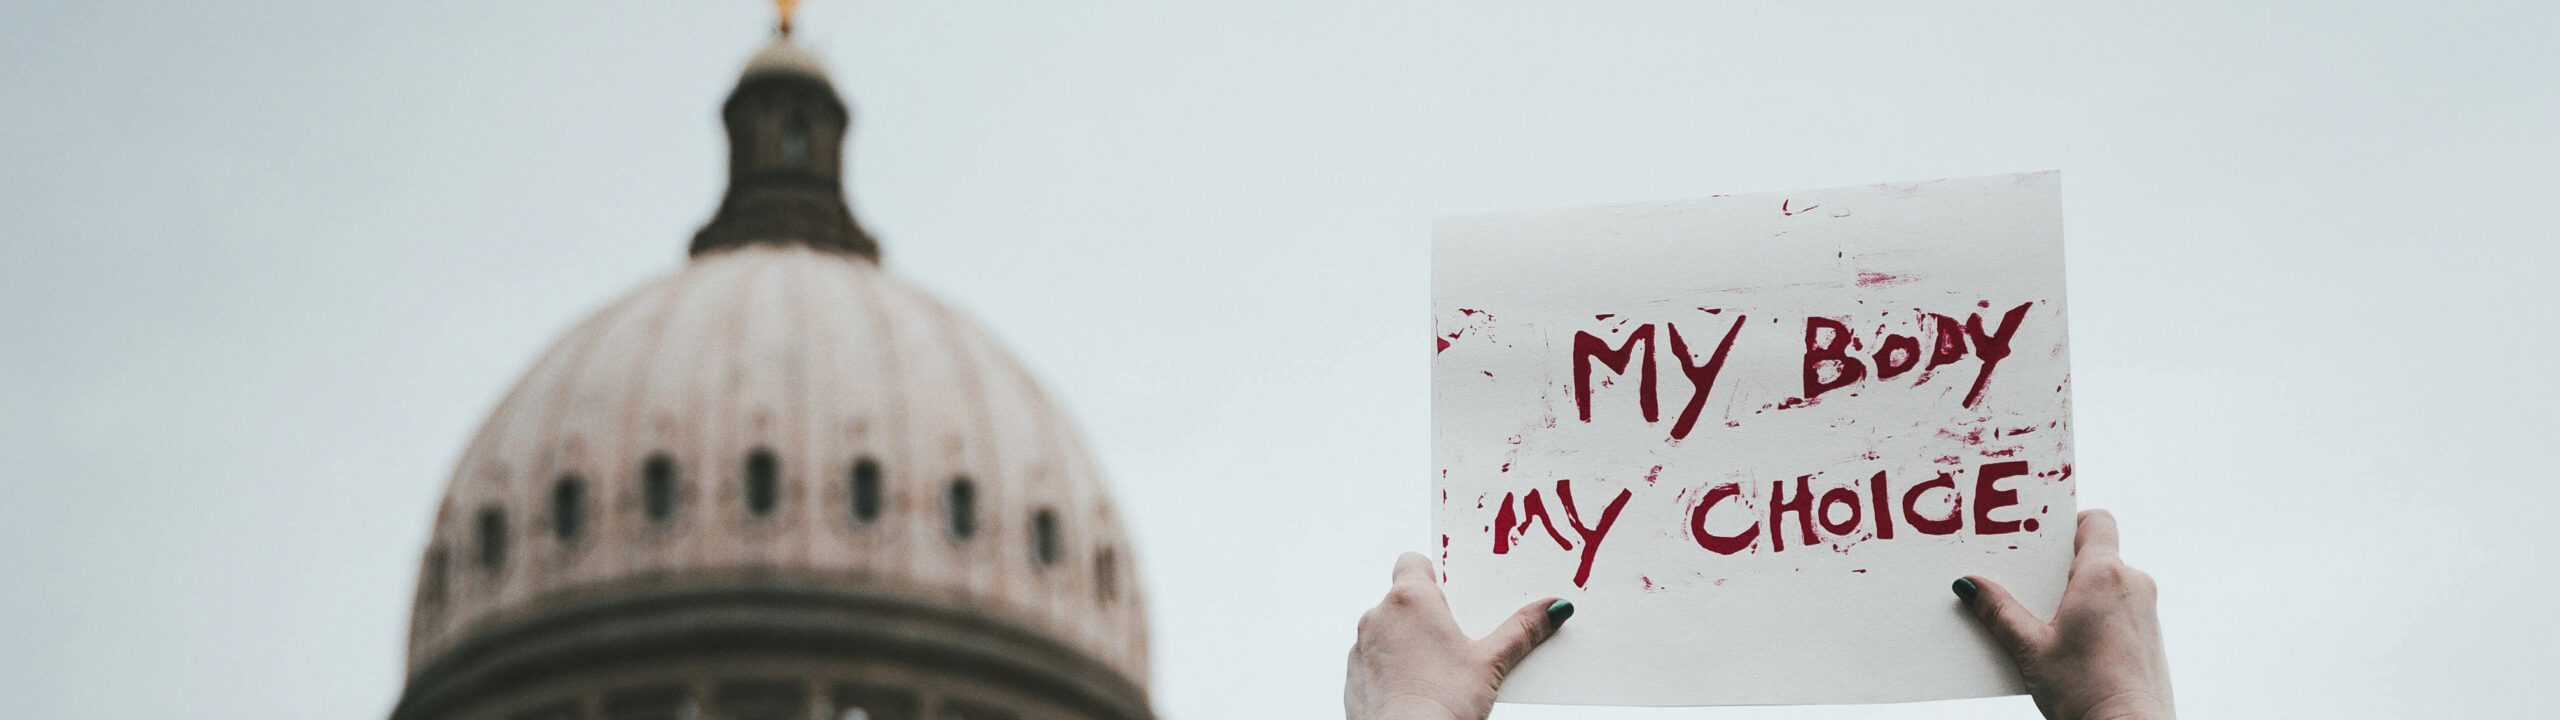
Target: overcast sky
x=267, y=264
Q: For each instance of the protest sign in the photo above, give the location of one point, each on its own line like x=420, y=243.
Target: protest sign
x=1754, y=438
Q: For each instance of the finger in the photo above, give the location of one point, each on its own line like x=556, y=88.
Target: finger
x=1511, y=641
x=1413, y=569
x=1413, y=584
x=2017, y=630
x=2097, y=535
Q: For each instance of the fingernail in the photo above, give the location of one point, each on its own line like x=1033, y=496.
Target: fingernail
x=1558, y=612
x=1965, y=589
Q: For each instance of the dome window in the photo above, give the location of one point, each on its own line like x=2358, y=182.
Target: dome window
x=795, y=142
x=764, y=481
x=493, y=537
x=569, y=507
x=1044, y=537
x=960, y=508
x=431, y=587
x=1106, y=575
x=866, y=489
x=658, y=486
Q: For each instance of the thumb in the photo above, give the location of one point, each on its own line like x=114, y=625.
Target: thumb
x=1510, y=642
x=2017, y=630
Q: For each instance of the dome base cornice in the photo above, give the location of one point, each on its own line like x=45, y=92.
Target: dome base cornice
x=693, y=617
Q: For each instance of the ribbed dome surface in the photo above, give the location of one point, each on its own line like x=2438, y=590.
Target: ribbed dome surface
x=798, y=366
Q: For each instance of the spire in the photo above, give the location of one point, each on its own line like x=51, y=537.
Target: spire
x=786, y=156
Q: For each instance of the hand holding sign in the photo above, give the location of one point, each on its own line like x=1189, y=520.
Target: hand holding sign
x=1412, y=663
x=2100, y=658
x=1783, y=422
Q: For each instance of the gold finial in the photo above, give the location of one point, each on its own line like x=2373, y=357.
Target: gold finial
x=786, y=6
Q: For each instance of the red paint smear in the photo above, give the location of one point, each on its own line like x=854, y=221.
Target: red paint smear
x=1650, y=476
x=1859, y=570
x=1488, y=373
x=1604, y=316
x=1950, y=460
x=1971, y=437
x=2003, y=452
x=1797, y=402
x=2023, y=430
x=1444, y=345
x=1872, y=279
x=1713, y=311
x=1506, y=467
x=2066, y=473
x=1473, y=311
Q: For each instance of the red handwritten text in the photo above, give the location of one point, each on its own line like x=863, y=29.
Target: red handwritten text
x=1508, y=526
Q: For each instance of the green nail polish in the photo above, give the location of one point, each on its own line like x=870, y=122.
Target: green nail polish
x=1965, y=589
x=1556, y=613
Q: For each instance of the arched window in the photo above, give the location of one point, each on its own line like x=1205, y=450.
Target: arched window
x=866, y=489
x=431, y=586
x=795, y=141
x=658, y=486
x=493, y=537
x=569, y=507
x=960, y=508
x=1106, y=575
x=1044, y=537
x=764, y=481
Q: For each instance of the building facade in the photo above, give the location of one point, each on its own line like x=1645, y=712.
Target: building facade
x=779, y=484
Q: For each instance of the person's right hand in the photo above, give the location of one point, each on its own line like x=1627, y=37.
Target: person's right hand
x=2101, y=657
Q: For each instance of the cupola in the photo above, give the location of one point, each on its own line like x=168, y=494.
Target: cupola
x=786, y=159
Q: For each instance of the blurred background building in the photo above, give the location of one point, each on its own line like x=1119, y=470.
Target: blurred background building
x=779, y=484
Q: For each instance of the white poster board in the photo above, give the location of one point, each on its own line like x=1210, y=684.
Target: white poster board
x=1755, y=438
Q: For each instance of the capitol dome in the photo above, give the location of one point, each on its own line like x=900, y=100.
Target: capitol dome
x=779, y=483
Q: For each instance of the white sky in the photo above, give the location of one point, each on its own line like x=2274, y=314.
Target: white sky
x=264, y=266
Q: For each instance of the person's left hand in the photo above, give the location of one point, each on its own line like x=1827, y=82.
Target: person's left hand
x=1412, y=663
